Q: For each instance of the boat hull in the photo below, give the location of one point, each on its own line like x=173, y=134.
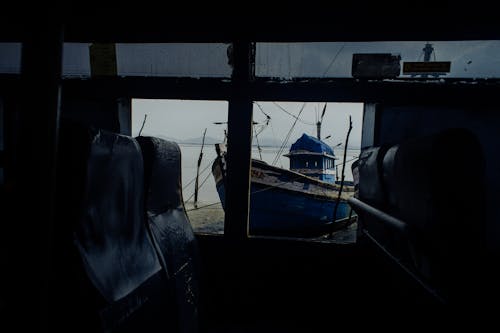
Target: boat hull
x=285, y=202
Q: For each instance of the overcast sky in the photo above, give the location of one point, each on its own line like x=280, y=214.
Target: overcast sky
x=181, y=119
x=469, y=59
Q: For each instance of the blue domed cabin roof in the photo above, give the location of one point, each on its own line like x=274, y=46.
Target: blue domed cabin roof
x=311, y=144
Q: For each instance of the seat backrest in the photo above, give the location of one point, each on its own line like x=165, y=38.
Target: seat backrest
x=428, y=184
x=111, y=228
x=170, y=224
x=110, y=274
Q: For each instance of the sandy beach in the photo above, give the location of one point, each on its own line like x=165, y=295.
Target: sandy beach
x=208, y=218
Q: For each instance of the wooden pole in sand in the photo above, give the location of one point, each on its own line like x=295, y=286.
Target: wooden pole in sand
x=198, y=171
x=342, y=175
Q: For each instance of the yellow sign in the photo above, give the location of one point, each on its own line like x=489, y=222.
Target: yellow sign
x=426, y=67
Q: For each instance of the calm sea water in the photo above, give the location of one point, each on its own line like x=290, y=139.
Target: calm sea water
x=207, y=192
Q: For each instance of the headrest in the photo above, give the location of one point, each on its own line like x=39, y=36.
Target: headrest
x=162, y=167
x=371, y=187
x=427, y=177
x=170, y=224
x=166, y=213
x=435, y=184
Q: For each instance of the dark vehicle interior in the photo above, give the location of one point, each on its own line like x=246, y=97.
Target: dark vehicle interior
x=95, y=237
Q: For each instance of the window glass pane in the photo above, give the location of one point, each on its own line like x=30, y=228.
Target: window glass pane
x=76, y=60
x=291, y=193
x=176, y=59
x=184, y=122
x=468, y=59
x=194, y=60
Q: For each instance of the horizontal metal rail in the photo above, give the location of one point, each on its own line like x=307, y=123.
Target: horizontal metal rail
x=378, y=214
x=401, y=226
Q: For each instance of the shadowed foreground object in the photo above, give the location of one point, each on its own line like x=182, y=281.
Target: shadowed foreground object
x=424, y=183
x=121, y=278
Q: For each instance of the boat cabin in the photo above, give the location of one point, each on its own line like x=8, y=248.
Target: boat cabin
x=313, y=158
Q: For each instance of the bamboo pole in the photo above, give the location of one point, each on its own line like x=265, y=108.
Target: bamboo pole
x=342, y=175
x=198, y=171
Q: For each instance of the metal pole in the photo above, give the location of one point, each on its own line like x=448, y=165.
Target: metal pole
x=380, y=215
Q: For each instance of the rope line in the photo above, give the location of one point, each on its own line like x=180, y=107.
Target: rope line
x=204, y=169
x=203, y=182
x=294, y=116
x=280, y=151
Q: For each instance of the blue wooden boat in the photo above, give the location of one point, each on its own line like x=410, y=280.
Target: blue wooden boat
x=297, y=201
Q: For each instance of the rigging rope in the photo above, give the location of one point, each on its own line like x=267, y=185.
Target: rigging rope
x=352, y=159
x=203, y=182
x=192, y=180
x=280, y=151
x=262, y=110
x=294, y=116
x=268, y=121
x=333, y=60
x=258, y=145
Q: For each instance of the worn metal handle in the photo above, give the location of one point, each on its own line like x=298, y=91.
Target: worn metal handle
x=380, y=215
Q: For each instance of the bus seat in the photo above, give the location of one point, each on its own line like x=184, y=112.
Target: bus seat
x=170, y=225
x=108, y=276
